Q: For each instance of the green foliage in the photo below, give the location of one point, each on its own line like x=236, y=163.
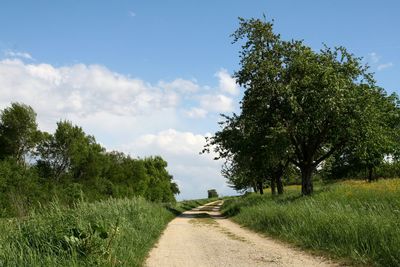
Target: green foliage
x=387, y=170
x=107, y=233
x=160, y=185
x=301, y=106
x=69, y=165
x=19, y=189
x=18, y=131
x=69, y=152
x=378, y=140
x=115, y=232
x=355, y=220
x=212, y=193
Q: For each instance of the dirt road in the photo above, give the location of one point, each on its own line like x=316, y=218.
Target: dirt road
x=202, y=237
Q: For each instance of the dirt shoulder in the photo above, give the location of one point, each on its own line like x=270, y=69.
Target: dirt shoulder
x=203, y=237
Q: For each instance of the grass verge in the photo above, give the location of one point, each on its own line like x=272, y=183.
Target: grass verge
x=116, y=232
x=355, y=220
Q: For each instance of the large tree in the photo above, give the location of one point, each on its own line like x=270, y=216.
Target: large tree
x=18, y=131
x=379, y=140
x=319, y=101
x=253, y=155
x=69, y=150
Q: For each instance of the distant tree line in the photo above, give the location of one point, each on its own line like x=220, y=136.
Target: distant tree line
x=68, y=165
x=303, y=113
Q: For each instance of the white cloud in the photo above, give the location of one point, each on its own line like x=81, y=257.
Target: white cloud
x=174, y=142
x=196, y=113
x=227, y=83
x=118, y=110
x=216, y=103
x=384, y=66
x=17, y=54
x=375, y=60
x=80, y=89
x=373, y=57
x=181, y=85
x=195, y=173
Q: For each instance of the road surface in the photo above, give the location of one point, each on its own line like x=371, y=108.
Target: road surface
x=203, y=237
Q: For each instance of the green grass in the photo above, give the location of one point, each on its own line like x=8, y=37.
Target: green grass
x=116, y=232
x=185, y=205
x=354, y=220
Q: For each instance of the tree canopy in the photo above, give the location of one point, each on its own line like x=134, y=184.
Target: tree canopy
x=18, y=131
x=302, y=106
x=36, y=167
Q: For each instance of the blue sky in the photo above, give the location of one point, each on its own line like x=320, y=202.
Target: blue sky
x=151, y=77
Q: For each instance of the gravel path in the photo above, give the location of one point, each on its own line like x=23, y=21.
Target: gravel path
x=202, y=237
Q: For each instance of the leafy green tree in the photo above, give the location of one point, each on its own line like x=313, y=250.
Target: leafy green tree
x=232, y=144
x=69, y=165
x=212, y=193
x=319, y=101
x=18, y=131
x=175, y=188
x=127, y=174
x=379, y=140
x=69, y=151
x=160, y=188
x=253, y=154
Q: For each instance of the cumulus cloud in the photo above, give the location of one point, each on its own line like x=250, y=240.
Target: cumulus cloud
x=180, y=85
x=123, y=113
x=80, y=89
x=196, y=113
x=384, y=66
x=173, y=142
x=195, y=173
x=216, y=103
x=227, y=83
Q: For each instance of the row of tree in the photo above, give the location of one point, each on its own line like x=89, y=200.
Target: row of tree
x=302, y=111
x=36, y=166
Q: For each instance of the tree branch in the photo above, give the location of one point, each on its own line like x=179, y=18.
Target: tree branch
x=327, y=155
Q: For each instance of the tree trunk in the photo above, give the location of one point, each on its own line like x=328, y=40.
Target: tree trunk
x=260, y=187
x=306, y=180
x=370, y=172
x=279, y=184
x=255, y=189
x=273, y=186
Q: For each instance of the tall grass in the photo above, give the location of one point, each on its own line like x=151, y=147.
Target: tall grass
x=116, y=232
x=353, y=219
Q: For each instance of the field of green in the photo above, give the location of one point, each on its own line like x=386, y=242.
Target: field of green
x=115, y=232
x=352, y=220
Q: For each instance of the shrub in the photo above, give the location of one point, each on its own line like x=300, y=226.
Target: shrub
x=212, y=193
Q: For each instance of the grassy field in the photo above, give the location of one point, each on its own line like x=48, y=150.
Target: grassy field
x=355, y=220
x=106, y=233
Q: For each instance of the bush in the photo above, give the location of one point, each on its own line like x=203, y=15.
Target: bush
x=19, y=189
x=212, y=193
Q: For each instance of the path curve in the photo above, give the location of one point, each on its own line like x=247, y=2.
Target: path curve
x=203, y=237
